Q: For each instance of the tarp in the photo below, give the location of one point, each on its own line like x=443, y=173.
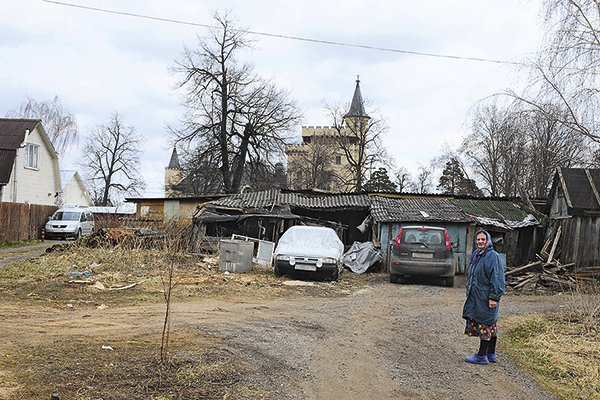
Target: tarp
x=310, y=241
x=361, y=256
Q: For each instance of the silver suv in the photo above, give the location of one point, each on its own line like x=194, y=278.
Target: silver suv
x=70, y=221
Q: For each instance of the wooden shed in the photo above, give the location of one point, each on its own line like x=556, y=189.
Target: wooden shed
x=574, y=207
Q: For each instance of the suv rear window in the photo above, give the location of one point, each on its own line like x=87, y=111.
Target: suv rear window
x=422, y=235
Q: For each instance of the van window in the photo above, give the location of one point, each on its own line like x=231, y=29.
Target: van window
x=66, y=216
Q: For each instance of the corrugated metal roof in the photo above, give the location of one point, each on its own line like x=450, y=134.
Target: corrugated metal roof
x=496, y=209
x=275, y=197
x=386, y=209
x=502, y=213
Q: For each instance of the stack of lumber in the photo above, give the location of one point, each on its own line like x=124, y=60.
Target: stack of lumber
x=541, y=276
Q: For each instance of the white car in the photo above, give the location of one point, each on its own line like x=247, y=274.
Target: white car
x=70, y=222
x=311, y=250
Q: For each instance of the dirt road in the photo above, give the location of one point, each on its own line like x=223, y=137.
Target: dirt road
x=383, y=341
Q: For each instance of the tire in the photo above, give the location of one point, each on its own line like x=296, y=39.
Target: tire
x=277, y=272
x=78, y=234
x=393, y=278
x=336, y=275
x=450, y=281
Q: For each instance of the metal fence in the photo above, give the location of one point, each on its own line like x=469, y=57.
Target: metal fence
x=20, y=221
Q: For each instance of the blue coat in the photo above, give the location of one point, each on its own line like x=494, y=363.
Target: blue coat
x=485, y=281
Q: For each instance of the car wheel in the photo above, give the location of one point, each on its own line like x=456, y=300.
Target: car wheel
x=450, y=281
x=277, y=272
x=336, y=275
x=393, y=278
x=77, y=234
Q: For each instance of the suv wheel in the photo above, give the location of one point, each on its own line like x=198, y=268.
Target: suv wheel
x=78, y=234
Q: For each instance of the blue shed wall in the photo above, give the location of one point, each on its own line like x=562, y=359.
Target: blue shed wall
x=388, y=231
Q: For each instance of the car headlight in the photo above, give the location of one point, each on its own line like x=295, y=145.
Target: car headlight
x=71, y=226
x=283, y=257
x=328, y=260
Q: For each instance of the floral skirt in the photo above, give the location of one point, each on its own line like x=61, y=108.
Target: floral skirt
x=484, y=332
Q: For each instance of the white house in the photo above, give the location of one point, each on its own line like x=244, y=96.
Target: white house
x=29, y=168
x=74, y=190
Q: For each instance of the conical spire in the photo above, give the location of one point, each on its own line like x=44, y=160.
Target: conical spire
x=357, y=107
x=174, y=163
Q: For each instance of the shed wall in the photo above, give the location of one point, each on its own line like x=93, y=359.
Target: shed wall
x=579, y=242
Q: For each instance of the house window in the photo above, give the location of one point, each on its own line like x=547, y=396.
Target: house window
x=32, y=155
x=338, y=160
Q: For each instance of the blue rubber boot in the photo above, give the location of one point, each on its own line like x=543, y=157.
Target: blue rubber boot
x=492, y=357
x=476, y=359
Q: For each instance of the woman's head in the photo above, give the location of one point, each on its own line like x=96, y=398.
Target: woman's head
x=483, y=239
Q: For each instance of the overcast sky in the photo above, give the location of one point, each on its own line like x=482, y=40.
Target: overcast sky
x=99, y=62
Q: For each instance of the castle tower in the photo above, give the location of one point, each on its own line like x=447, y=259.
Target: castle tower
x=173, y=175
x=357, y=115
x=321, y=162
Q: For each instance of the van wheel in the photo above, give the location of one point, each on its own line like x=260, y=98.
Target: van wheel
x=78, y=234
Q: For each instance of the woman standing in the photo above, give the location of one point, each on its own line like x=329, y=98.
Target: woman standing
x=485, y=286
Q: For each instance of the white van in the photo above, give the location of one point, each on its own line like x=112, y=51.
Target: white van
x=70, y=221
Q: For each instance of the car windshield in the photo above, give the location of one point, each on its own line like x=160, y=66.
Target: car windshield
x=66, y=216
x=422, y=235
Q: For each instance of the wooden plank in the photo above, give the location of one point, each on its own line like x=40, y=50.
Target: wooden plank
x=526, y=268
x=554, y=244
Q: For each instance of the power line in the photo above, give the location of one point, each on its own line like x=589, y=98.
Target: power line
x=319, y=41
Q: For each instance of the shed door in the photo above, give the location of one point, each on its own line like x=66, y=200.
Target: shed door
x=171, y=212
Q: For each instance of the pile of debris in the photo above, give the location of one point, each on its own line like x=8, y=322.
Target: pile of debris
x=127, y=237
x=541, y=277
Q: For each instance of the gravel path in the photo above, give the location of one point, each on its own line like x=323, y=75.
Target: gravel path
x=384, y=342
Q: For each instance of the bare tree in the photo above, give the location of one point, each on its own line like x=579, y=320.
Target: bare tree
x=424, y=182
x=403, y=179
x=111, y=161
x=360, y=139
x=60, y=125
x=515, y=150
x=233, y=117
x=566, y=75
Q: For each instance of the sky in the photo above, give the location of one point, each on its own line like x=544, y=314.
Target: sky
x=99, y=62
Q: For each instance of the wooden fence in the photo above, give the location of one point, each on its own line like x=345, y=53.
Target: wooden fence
x=20, y=221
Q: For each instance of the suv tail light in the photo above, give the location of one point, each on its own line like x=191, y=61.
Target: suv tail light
x=448, y=243
x=399, y=237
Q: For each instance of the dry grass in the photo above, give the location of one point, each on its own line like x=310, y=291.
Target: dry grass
x=561, y=350
x=199, y=368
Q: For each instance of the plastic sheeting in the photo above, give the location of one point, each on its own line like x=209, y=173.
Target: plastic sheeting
x=361, y=256
x=310, y=241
